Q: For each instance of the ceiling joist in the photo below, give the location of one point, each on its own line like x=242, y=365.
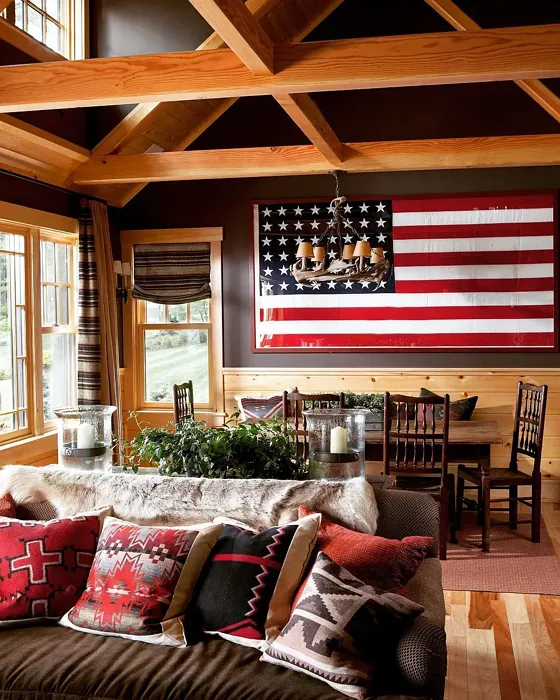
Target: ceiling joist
x=383, y=156
x=431, y=59
x=240, y=30
x=536, y=89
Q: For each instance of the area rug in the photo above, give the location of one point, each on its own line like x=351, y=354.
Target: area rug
x=513, y=565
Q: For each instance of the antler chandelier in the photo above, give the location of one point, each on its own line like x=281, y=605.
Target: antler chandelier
x=357, y=261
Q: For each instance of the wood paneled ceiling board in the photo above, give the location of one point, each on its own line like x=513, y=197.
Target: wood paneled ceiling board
x=431, y=59
x=537, y=90
x=383, y=156
x=4, y=4
x=241, y=31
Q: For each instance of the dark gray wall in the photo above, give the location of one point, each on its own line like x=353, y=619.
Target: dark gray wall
x=227, y=203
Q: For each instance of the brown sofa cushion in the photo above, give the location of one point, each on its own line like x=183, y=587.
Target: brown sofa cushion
x=42, y=663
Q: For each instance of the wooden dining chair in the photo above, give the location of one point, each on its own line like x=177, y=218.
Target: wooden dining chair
x=183, y=402
x=416, y=436
x=295, y=403
x=528, y=431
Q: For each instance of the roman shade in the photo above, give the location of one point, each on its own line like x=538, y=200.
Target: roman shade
x=171, y=273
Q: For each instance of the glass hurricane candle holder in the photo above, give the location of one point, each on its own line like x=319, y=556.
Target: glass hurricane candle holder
x=336, y=442
x=85, y=437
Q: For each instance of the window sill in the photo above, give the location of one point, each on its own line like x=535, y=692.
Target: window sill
x=37, y=449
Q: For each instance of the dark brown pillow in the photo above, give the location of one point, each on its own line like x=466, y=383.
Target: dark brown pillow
x=462, y=409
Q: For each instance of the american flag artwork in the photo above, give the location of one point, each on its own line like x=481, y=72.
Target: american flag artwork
x=468, y=272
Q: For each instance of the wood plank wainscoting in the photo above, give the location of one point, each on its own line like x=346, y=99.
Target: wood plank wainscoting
x=496, y=389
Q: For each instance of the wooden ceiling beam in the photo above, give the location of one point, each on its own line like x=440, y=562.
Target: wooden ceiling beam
x=4, y=4
x=241, y=31
x=536, y=89
x=429, y=59
x=384, y=156
x=26, y=43
x=307, y=115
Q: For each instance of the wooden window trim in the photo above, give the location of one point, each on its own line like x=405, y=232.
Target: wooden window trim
x=132, y=376
x=35, y=226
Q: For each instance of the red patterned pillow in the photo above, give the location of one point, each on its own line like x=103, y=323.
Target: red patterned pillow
x=44, y=565
x=377, y=561
x=7, y=506
x=141, y=581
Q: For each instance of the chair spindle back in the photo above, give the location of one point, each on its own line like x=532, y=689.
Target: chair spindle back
x=416, y=435
x=293, y=407
x=183, y=402
x=528, y=429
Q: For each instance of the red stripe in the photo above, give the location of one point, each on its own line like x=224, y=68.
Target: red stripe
x=248, y=559
x=477, y=257
x=407, y=314
x=542, y=228
x=411, y=340
x=539, y=284
x=493, y=201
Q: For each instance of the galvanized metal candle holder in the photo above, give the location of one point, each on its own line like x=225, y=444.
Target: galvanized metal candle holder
x=85, y=437
x=336, y=442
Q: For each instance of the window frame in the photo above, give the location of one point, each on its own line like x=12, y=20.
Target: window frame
x=135, y=324
x=74, y=26
x=23, y=221
x=72, y=285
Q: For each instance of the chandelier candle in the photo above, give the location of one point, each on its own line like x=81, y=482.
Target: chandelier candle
x=336, y=442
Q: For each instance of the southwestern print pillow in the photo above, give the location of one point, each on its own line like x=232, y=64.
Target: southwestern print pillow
x=255, y=409
x=339, y=627
x=246, y=590
x=7, y=506
x=44, y=566
x=141, y=581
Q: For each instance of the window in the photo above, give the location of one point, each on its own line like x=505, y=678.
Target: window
x=175, y=343
x=58, y=323
x=13, y=334
x=37, y=328
x=170, y=344
x=59, y=24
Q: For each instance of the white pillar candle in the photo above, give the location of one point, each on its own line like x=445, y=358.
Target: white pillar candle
x=85, y=436
x=339, y=440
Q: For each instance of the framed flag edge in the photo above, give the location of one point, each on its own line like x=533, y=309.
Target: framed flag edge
x=253, y=229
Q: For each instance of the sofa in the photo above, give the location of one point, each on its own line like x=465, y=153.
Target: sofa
x=50, y=662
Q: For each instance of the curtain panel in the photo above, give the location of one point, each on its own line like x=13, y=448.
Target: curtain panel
x=171, y=273
x=98, y=367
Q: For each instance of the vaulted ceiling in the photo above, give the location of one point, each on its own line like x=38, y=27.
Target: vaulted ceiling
x=371, y=87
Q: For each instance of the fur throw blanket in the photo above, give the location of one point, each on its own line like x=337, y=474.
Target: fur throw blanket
x=162, y=500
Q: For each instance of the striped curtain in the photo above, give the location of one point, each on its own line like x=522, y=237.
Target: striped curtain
x=172, y=273
x=98, y=369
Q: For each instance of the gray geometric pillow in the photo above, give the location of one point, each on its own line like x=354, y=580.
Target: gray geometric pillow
x=337, y=626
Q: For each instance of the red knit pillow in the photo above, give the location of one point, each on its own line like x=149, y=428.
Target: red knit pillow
x=377, y=561
x=7, y=506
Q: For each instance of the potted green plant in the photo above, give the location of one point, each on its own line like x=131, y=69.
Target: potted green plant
x=373, y=402
x=265, y=449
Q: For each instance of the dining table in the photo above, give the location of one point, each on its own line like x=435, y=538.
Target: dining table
x=470, y=442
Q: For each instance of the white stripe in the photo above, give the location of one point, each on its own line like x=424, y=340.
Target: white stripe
x=471, y=245
x=342, y=301
x=476, y=216
x=475, y=325
x=480, y=272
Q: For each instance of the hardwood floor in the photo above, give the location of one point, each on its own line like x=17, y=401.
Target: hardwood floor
x=505, y=646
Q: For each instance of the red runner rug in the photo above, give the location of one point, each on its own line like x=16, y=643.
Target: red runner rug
x=513, y=565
